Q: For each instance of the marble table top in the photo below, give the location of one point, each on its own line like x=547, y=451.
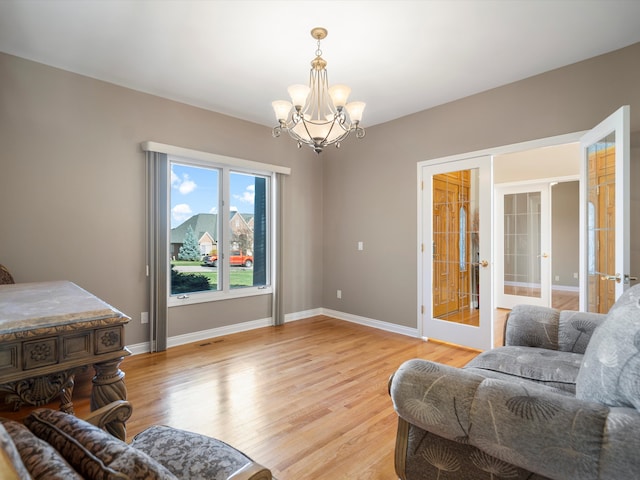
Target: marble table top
x=33, y=306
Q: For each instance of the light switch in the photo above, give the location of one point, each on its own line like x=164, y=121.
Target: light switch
x=360, y=245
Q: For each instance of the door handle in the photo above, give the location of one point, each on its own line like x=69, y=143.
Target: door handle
x=484, y=263
x=544, y=255
x=615, y=277
x=629, y=278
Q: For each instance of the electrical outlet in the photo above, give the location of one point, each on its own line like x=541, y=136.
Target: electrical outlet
x=575, y=275
x=557, y=278
x=339, y=294
x=144, y=317
x=360, y=246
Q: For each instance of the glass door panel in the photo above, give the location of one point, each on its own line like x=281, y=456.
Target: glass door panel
x=601, y=223
x=523, y=240
x=456, y=265
x=605, y=212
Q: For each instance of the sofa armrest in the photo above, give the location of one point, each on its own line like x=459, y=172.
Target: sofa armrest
x=435, y=397
x=532, y=326
x=252, y=471
x=577, y=439
x=114, y=413
x=543, y=327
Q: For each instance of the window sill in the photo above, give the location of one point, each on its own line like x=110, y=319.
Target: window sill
x=204, y=297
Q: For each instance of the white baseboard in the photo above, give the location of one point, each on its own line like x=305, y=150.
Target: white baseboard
x=565, y=288
x=292, y=317
x=370, y=322
x=203, y=335
x=139, y=348
x=348, y=317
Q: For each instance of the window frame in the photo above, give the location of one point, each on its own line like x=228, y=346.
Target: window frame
x=224, y=233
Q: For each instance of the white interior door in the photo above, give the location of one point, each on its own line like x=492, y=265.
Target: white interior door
x=605, y=216
x=456, y=259
x=523, y=245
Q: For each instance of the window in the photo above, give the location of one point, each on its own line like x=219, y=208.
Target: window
x=238, y=250
x=220, y=219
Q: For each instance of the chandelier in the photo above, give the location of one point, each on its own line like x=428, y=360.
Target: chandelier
x=318, y=115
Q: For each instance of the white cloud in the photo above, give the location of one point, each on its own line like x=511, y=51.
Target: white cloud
x=187, y=186
x=248, y=196
x=181, y=212
x=184, y=185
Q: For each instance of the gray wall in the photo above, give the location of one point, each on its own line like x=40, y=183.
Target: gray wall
x=370, y=189
x=72, y=201
x=72, y=190
x=565, y=233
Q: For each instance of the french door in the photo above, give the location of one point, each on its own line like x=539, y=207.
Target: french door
x=456, y=259
x=523, y=245
x=605, y=213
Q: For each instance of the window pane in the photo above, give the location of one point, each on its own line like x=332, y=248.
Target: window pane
x=248, y=265
x=195, y=203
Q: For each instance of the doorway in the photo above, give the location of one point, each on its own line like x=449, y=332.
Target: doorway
x=601, y=220
x=457, y=261
x=540, y=228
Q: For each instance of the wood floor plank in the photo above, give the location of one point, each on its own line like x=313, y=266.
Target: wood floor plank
x=307, y=399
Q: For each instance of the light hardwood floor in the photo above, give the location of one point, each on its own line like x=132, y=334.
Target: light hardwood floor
x=307, y=399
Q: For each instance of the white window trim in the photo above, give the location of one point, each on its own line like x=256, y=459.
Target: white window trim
x=224, y=273
x=227, y=164
x=258, y=167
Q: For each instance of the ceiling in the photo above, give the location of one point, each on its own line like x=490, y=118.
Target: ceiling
x=235, y=57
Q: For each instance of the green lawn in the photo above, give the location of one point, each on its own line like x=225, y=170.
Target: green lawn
x=238, y=277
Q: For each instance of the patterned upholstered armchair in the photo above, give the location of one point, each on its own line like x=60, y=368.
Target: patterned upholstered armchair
x=5, y=276
x=53, y=445
x=560, y=400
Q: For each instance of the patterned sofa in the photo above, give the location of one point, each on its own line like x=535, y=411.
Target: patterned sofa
x=559, y=401
x=52, y=445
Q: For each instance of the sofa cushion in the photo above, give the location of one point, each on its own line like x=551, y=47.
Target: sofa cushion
x=610, y=372
x=576, y=329
x=11, y=466
x=549, y=367
x=532, y=326
x=92, y=452
x=190, y=455
x=41, y=460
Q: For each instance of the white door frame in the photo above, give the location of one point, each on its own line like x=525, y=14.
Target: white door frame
x=480, y=336
x=618, y=122
x=513, y=148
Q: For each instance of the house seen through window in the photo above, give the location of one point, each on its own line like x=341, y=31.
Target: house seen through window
x=219, y=223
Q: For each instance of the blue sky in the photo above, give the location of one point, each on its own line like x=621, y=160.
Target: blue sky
x=196, y=190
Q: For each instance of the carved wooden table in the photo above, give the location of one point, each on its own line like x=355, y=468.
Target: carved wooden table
x=49, y=331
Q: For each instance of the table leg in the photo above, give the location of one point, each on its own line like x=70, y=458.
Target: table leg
x=39, y=391
x=108, y=386
x=66, y=392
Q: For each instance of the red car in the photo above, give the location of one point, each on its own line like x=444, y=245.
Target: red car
x=237, y=258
